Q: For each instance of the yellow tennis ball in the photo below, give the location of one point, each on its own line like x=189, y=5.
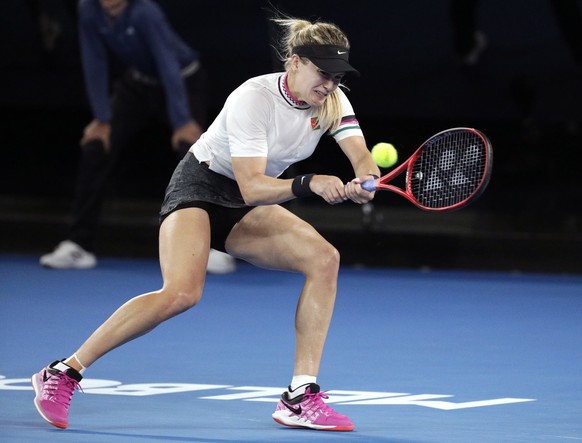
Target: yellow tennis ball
x=385, y=154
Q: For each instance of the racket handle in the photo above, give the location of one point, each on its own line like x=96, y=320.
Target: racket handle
x=369, y=185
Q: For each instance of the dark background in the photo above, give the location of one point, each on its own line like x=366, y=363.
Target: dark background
x=524, y=93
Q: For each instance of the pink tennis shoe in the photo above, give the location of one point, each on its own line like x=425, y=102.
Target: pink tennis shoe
x=54, y=387
x=309, y=411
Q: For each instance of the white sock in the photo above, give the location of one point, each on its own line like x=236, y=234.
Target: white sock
x=83, y=368
x=299, y=383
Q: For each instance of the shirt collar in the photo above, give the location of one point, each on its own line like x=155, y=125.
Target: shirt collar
x=288, y=96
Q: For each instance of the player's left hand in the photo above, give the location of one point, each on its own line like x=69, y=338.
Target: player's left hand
x=356, y=193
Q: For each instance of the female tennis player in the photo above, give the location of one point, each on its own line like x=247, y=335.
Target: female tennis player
x=226, y=194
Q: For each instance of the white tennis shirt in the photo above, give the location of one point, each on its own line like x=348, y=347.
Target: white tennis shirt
x=261, y=118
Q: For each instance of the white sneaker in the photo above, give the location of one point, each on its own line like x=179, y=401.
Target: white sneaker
x=220, y=263
x=69, y=255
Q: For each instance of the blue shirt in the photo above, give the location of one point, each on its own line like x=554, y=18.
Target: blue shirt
x=141, y=38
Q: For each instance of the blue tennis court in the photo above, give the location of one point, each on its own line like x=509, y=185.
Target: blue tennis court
x=412, y=356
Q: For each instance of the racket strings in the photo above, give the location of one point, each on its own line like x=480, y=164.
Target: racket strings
x=449, y=170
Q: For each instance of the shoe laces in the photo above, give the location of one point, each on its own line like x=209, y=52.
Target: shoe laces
x=317, y=400
x=60, y=387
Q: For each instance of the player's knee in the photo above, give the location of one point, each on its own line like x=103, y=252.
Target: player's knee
x=180, y=299
x=187, y=299
x=332, y=258
x=324, y=259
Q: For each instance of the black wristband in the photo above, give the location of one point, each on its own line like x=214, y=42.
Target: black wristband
x=375, y=176
x=300, y=186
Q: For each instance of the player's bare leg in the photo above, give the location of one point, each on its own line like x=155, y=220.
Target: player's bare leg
x=184, y=247
x=184, y=242
x=272, y=237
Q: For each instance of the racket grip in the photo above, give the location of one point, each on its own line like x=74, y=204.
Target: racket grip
x=369, y=185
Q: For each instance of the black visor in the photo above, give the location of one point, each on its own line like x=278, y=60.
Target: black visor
x=329, y=58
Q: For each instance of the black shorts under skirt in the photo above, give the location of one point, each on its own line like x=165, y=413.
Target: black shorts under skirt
x=194, y=185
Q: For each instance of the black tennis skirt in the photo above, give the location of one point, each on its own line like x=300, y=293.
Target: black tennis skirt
x=194, y=185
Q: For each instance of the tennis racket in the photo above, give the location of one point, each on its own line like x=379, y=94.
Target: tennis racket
x=448, y=171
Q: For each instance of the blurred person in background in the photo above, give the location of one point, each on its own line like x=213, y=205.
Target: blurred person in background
x=163, y=82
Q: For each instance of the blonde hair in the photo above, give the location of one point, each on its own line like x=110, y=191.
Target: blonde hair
x=299, y=32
